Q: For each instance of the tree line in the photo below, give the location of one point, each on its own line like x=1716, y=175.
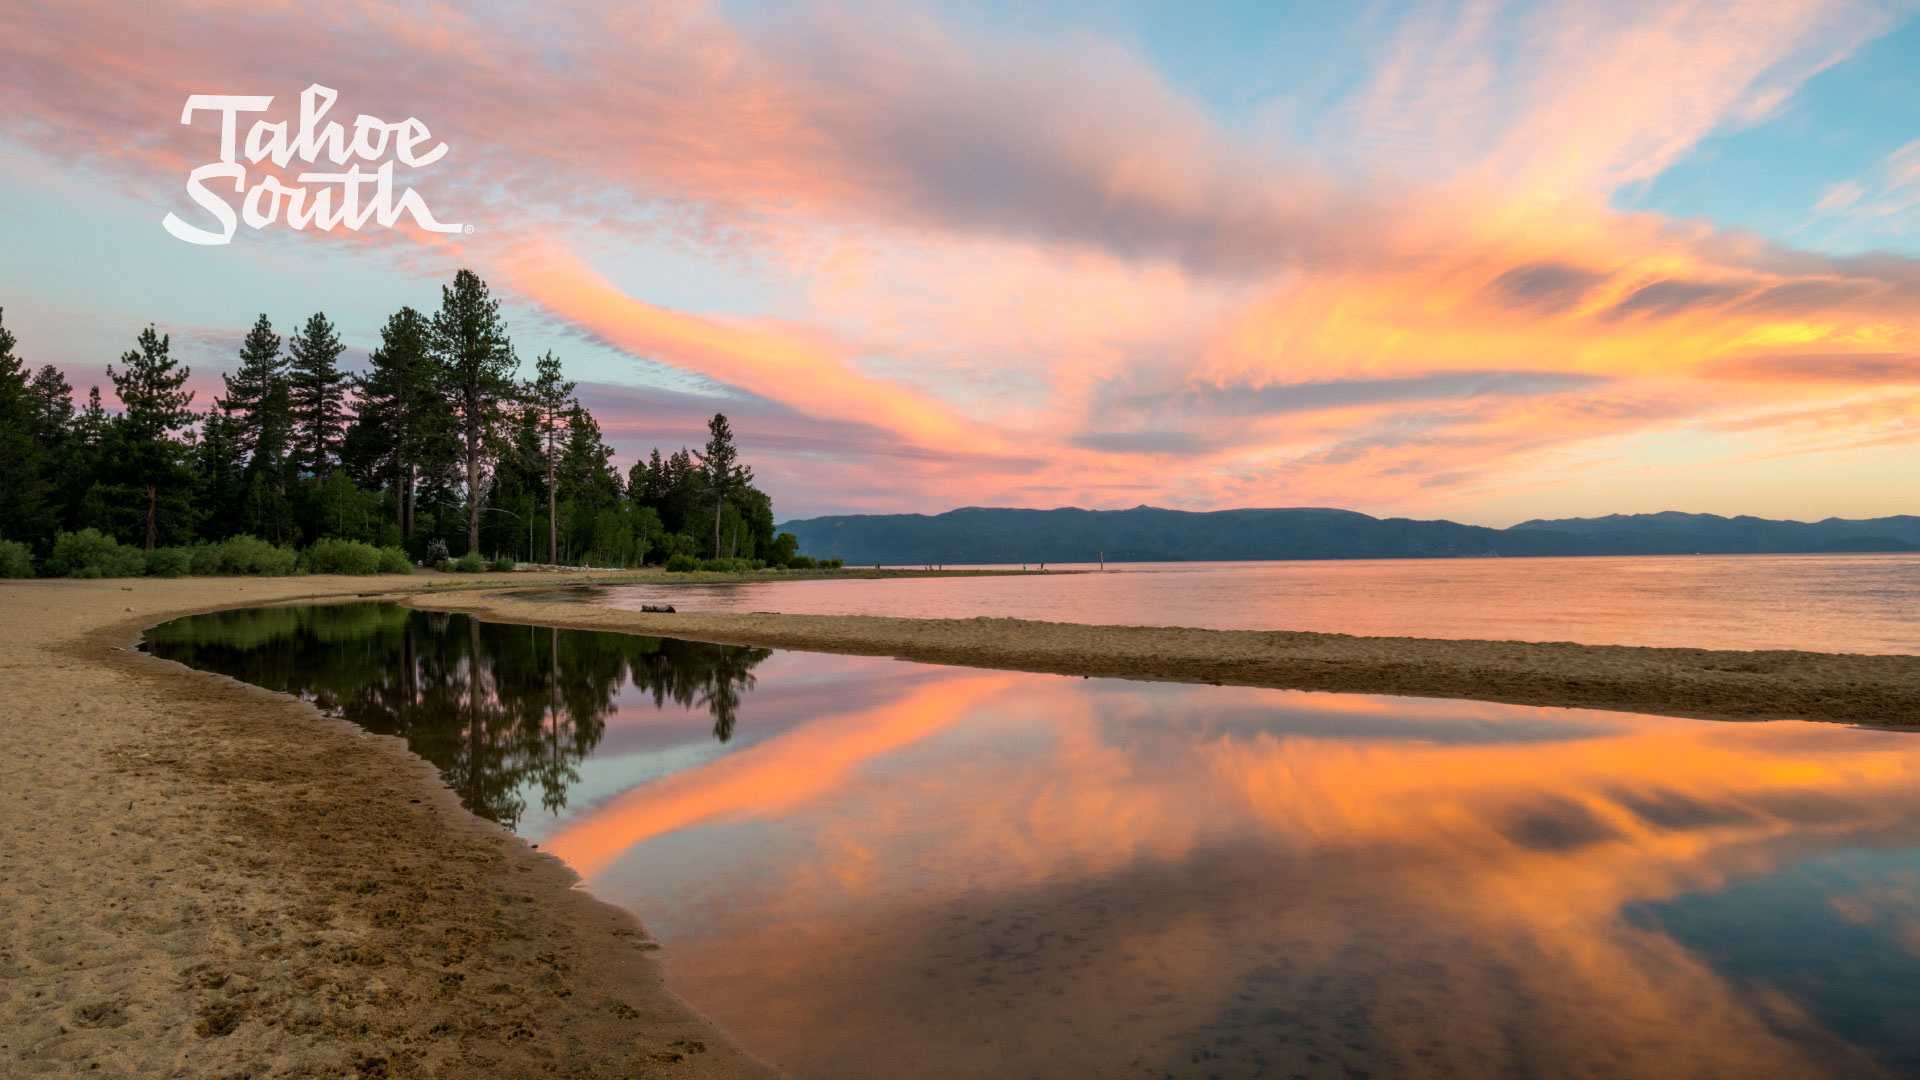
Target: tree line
x=439, y=447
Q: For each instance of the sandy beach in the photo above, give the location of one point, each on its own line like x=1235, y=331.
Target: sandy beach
x=202, y=878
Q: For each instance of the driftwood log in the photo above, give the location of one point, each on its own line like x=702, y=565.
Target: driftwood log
x=657, y=609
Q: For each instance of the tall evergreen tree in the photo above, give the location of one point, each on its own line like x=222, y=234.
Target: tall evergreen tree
x=548, y=398
x=584, y=466
x=647, y=481
x=69, y=467
x=218, y=469
x=262, y=367
x=476, y=357
x=401, y=399
x=317, y=392
x=52, y=404
x=26, y=514
x=151, y=387
x=724, y=476
x=267, y=510
x=90, y=425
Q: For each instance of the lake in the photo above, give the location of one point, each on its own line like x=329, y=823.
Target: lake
x=869, y=868
x=1825, y=603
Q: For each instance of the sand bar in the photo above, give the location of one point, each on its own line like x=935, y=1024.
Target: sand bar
x=1715, y=684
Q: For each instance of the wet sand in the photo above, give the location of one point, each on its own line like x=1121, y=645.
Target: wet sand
x=200, y=878
x=1714, y=684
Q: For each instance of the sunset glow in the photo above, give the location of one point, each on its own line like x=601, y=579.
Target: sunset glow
x=1473, y=260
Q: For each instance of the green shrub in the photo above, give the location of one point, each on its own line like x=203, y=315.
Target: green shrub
x=503, y=564
x=16, y=561
x=393, y=560
x=244, y=555
x=206, y=560
x=445, y=566
x=726, y=566
x=470, y=563
x=682, y=562
x=169, y=562
x=331, y=555
x=91, y=553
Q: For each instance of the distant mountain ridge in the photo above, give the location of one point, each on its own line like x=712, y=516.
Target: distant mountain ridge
x=1151, y=534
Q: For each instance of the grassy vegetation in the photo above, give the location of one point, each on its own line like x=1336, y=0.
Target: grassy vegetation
x=16, y=559
x=333, y=556
x=89, y=553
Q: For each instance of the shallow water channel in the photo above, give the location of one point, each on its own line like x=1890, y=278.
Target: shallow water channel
x=869, y=868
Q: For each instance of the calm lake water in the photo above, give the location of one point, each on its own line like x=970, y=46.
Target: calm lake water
x=870, y=868
x=1838, y=603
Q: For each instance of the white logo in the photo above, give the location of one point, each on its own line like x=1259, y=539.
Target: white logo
x=270, y=141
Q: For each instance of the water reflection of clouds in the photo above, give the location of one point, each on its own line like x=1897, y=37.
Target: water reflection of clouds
x=1044, y=862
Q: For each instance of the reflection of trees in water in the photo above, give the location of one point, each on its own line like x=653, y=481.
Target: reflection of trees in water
x=495, y=708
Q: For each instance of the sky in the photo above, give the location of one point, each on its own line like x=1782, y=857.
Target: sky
x=1481, y=261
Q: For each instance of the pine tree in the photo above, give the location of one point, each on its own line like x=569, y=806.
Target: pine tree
x=317, y=392
x=584, y=466
x=261, y=368
x=476, y=357
x=401, y=400
x=25, y=513
x=548, y=398
x=218, y=468
x=68, y=462
x=91, y=425
x=723, y=476
x=53, y=404
x=268, y=513
x=151, y=388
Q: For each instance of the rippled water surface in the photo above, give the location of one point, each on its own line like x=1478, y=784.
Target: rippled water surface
x=868, y=868
x=1826, y=603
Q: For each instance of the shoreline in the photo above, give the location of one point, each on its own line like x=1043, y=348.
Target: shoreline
x=199, y=876
x=1873, y=689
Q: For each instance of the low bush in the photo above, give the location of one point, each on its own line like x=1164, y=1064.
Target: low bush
x=470, y=563
x=170, y=562
x=726, y=566
x=393, y=560
x=682, y=563
x=330, y=555
x=16, y=560
x=91, y=553
x=244, y=554
x=503, y=564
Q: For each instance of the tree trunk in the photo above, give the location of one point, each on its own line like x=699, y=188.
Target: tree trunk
x=553, y=503
x=153, y=499
x=718, y=504
x=406, y=502
x=473, y=490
